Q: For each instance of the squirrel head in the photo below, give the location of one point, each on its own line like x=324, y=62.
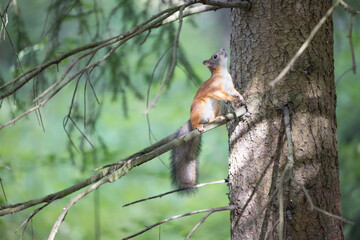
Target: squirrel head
x=217, y=61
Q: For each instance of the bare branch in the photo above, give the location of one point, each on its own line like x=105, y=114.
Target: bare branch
x=313, y=207
x=148, y=91
x=288, y=169
x=71, y=203
x=304, y=45
x=198, y=225
x=3, y=163
x=212, y=210
x=351, y=43
x=3, y=24
x=3, y=27
x=10, y=209
x=6, y=8
x=189, y=12
x=26, y=222
x=224, y=4
x=176, y=190
x=348, y=8
x=3, y=190
x=116, y=173
x=68, y=69
x=342, y=75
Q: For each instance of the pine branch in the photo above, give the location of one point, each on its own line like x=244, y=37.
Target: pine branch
x=155, y=21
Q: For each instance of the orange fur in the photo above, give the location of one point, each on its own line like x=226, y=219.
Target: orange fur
x=204, y=108
x=206, y=104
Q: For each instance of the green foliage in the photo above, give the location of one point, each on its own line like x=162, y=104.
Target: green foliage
x=348, y=116
x=42, y=162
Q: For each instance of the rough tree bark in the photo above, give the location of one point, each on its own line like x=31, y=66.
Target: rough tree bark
x=262, y=42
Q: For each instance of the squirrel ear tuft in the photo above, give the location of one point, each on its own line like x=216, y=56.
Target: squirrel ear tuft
x=206, y=63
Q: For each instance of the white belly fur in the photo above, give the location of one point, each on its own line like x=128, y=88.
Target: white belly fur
x=209, y=110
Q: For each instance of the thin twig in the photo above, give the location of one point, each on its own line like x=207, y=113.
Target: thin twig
x=6, y=8
x=153, y=22
x=290, y=143
x=287, y=170
x=82, y=133
x=270, y=199
x=351, y=43
x=342, y=75
x=3, y=190
x=26, y=222
x=198, y=225
x=68, y=81
x=226, y=208
x=68, y=69
x=304, y=45
x=176, y=190
x=71, y=203
x=173, y=65
x=3, y=25
x=94, y=46
x=348, y=8
x=190, y=11
x=101, y=44
x=3, y=163
x=313, y=207
x=148, y=91
x=124, y=39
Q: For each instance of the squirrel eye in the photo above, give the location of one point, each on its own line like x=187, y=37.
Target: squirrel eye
x=215, y=56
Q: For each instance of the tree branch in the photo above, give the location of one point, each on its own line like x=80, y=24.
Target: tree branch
x=351, y=43
x=116, y=170
x=288, y=169
x=71, y=203
x=26, y=222
x=173, y=64
x=198, y=224
x=101, y=44
x=212, y=210
x=313, y=207
x=348, y=8
x=176, y=190
x=153, y=22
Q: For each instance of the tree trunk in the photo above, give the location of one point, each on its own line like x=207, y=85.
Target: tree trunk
x=263, y=40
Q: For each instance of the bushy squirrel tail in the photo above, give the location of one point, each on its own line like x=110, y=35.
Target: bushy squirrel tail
x=184, y=163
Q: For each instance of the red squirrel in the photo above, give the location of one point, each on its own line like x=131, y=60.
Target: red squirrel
x=204, y=108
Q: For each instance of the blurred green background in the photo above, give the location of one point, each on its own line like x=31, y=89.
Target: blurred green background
x=42, y=161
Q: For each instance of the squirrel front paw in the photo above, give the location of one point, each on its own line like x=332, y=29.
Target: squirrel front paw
x=238, y=102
